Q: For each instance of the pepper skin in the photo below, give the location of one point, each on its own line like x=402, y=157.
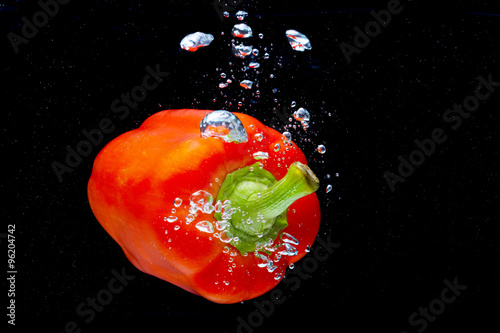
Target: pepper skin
x=137, y=177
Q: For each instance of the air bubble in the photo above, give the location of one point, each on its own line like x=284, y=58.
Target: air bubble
x=171, y=219
x=260, y=155
x=225, y=125
x=205, y=226
x=258, y=136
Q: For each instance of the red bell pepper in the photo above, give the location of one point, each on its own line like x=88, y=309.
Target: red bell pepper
x=216, y=218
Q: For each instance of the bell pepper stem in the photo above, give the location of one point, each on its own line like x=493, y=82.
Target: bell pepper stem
x=298, y=182
x=259, y=202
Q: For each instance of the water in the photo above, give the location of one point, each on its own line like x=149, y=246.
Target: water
x=298, y=41
x=287, y=238
x=328, y=188
x=242, y=51
x=205, y=226
x=286, y=249
x=194, y=41
x=286, y=137
x=321, y=149
x=242, y=31
x=171, y=219
x=247, y=84
x=240, y=15
x=261, y=155
x=224, y=125
x=302, y=115
x=254, y=65
x=199, y=201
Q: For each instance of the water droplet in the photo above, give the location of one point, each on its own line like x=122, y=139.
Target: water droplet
x=261, y=35
x=226, y=249
x=177, y=202
x=242, y=50
x=277, y=147
x=205, y=226
x=171, y=219
x=287, y=238
x=226, y=14
x=189, y=218
x=286, y=137
x=242, y=30
x=266, y=55
x=286, y=249
x=247, y=84
x=302, y=115
x=308, y=249
x=277, y=276
x=222, y=85
x=291, y=266
x=177, y=227
x=337, y=174
x=173, y=210
x=328, y=188
x=271, y=266
x=199, y=200
x=196, y=40
x=226, y=283
x=166, y=232
x=298, y=41
x=225, y=125
x=251, y=168
x=221, y=225
x=225, y=236
x=293, y=104
x=321, y=149
x=260, y=155
x=254, y=65
x=258, y=136
x=240, y=15
x=262, y=260
x=223, y=75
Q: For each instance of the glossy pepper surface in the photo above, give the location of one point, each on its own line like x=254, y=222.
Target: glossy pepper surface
x=219, y=219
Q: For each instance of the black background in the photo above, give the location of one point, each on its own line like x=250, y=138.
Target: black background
x=396, y=247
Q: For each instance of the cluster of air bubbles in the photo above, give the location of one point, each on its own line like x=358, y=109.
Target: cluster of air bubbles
x=269, y=252
x=202, y=202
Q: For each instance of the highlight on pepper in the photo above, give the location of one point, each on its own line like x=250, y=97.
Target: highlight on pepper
x=214, y=202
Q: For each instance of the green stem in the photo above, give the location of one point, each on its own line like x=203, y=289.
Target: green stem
x=261, y=202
